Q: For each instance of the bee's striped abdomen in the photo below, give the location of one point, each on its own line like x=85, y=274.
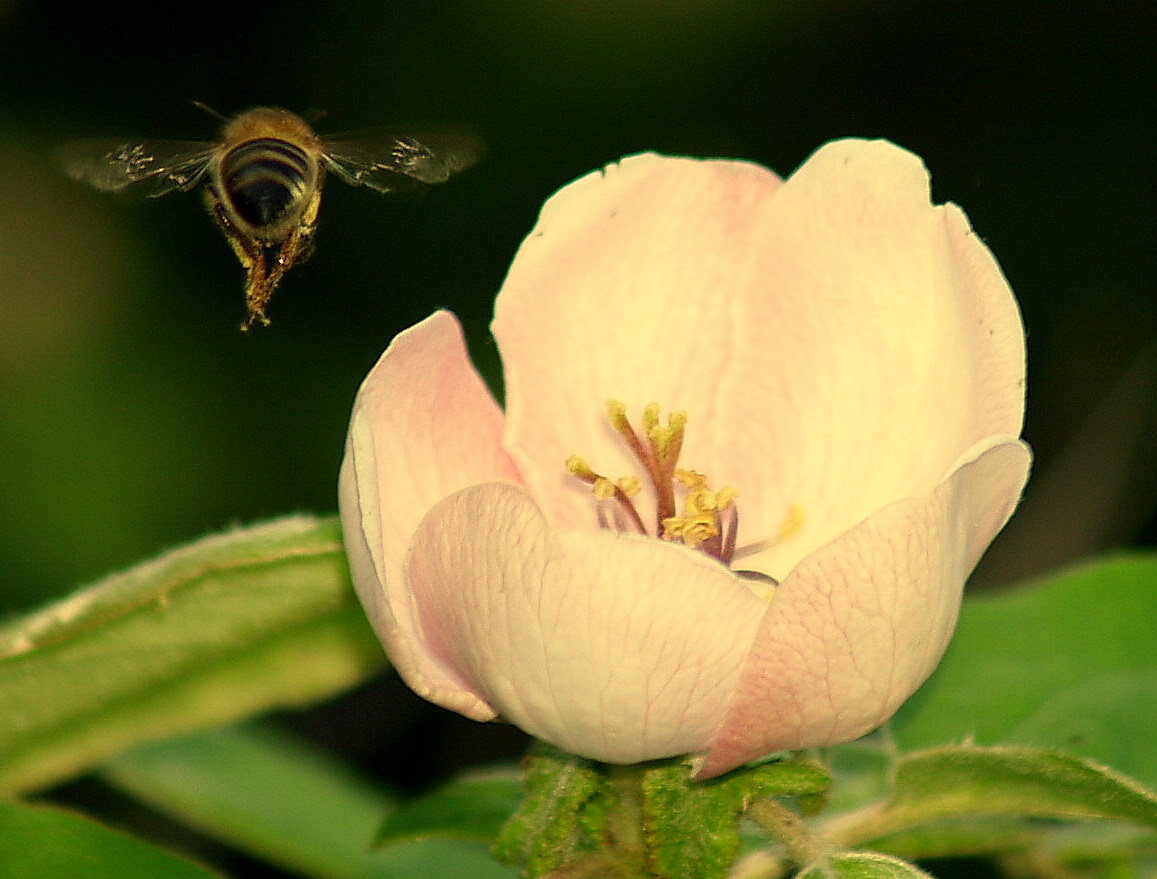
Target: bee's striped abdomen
x=265, y=180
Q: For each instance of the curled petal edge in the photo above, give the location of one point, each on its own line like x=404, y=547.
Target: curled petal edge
x=862, y=622
x=424, y=425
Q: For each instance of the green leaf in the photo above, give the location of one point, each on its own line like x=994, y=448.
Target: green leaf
x=965, y=836
x=552, y=827
x=692, y=828
x=863, y=865
x=287, y=803
x=37, y=842
x=861, y=772
x=1099, y=849
x=967, y=780
x=474, y=807
x=1067, y=663
x=259, y=791
x=218, y=630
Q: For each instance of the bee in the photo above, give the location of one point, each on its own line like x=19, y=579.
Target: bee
x=263, y=177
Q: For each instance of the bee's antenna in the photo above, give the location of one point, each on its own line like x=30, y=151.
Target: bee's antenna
x=208, y=109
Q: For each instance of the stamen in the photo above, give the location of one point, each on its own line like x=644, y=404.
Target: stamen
x=614, y=501
x=666, y=444
x=710, y=518
x=630, y=485
x=618, y=415
x=603, y=488
x=730, y=532
x=612, y=515
x=791, y=525
x=701, y=525
x=617, y=412
x=650, y=417
x=576, y=466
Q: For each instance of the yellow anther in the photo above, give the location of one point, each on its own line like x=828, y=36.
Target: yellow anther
x=699, y=502
x=617, y=413
x=650, y=418
x=725, y=497
x=577, y=466
x=667, y=441
x=691, y=478
x=709, y=521
x=629, y=485
x=603, y=488
x=699, y=530
x=690, y=530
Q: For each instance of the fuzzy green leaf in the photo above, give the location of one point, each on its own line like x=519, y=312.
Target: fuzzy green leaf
x=474, y=807
x=551, y=828
x=221, y=629
x=863, y=865
x=968, y=781
x=1068, y=663
x=692, y=828
x=286, y=803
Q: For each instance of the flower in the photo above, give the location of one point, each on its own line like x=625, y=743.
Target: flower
x=812, y=390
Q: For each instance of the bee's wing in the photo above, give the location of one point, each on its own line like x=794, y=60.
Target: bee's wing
x=392, y=162
x=111, y=165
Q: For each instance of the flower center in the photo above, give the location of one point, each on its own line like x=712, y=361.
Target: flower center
x=709, y=519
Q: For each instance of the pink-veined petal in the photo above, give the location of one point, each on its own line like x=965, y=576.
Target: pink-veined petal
x=622, y=291
x=612, y=646
x=423, y=426
x=836, y=340
x=861, y=623
x=884, y=344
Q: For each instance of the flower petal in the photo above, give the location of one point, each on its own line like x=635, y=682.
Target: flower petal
x=776, y=315
x=608, y=645
x=899, y=346
x=423, y=425
x=861, y=623
x=622, y=291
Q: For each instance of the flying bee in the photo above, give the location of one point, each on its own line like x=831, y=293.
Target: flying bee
x=263, y=180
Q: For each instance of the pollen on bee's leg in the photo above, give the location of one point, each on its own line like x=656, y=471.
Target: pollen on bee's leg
x=256, y=307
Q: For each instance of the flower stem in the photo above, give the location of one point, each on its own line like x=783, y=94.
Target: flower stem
x=626, y=820
x=802, y=846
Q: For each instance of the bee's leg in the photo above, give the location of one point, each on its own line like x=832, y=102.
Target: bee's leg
x=298, y=244
x=258, y=283
x=251, y=254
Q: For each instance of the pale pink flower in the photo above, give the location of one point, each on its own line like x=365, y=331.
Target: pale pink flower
x=849, y=360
